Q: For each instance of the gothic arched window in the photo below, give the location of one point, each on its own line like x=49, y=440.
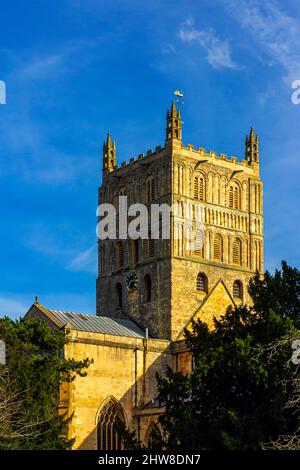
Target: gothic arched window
x=108, y=437
x=237, y=289
x=153, y=437
x=147, y=288
x=202, y=282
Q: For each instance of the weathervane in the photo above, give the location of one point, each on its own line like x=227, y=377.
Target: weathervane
x=179, y=97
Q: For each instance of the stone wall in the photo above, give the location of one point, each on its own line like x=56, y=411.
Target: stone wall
x=123, y=368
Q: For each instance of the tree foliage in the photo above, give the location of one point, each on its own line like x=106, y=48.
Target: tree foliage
x=36, y=368
x=240, y=394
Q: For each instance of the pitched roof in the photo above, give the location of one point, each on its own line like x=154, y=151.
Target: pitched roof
x=93, y=323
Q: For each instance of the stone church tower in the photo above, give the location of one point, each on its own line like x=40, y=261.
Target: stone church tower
x=160, y=284
x=149, y=290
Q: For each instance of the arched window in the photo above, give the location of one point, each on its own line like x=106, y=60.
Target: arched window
x=150, y=246
x=218, y=248
x=237, y=290
x=135, y=251
x=257, y=255
x=122, y=192
x=237, y=251
x=153, y=437
x=147, y=288
x=120, y=255
x=107, y=436
x=119, y=292
x=199, y=243
x=231, y=196
x=199, y=188
x=150, y=189
x=234, y=197
x=202, y=282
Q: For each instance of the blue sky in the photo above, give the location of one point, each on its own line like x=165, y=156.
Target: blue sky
x=75, y=69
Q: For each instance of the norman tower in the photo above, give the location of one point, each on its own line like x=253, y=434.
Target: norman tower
x=160, y=283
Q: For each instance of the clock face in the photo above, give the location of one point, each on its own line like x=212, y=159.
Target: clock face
x=131, y=281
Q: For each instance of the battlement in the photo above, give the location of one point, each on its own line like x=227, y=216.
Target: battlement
x=134, y=160
x=201, y=151
x=173, y=145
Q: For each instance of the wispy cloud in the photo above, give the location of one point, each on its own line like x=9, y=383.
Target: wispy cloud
x=276, y=32
x=218, y=51
x=169, y=49
x=30, y=142
x=85, y=260
x=42, y=67
x=60, y=246
x=34, y=158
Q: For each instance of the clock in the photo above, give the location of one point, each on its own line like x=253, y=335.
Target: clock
x=131, y=281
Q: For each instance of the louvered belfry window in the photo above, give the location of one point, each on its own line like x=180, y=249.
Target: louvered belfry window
x=218, y=248
x=236, y=252
x=199, y=188
x=150, y=189
x=234, y=197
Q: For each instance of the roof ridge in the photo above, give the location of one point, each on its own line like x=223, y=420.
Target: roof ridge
x=71, y=311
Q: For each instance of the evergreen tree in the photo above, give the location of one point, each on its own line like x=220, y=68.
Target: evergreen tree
x=239, y=395
x=36, y=367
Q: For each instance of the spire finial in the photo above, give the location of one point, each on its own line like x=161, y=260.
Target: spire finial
x=173, y=108
x=252, y=147
x=36, y=300
x=173, y=130
x=109, y=154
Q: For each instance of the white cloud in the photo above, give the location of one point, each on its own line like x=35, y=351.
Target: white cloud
x=60, y=246
x=28, y=143
x=42, y=67
x=276, y=32
x=34, y=157
x=85, y=260
x=169, y=49
x=218, y=51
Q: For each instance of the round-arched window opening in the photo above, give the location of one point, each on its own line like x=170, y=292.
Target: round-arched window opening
x=147, y=288
x=202, y=283
x=119, y=292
